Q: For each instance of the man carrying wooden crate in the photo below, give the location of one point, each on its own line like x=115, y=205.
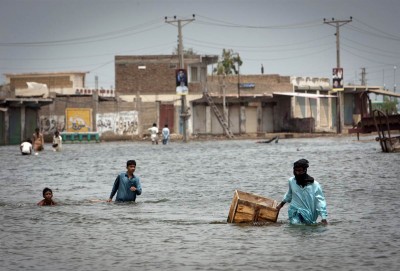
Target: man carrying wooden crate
x=305, y=195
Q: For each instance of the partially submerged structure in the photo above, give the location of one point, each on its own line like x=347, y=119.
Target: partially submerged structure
x=19, y=115
x=146, y=93
x=368, y=120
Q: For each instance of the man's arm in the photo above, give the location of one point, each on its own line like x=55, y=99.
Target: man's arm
x=321, y=205
x=138, y=187
x=114, y=189
x=286, y=198
x=280, y=205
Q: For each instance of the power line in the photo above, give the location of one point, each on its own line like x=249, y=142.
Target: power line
x=86, y=56
x=88, y=39
x=265, y=50
x=373, y=60
x=277, y=47
x=370, y=47
x=378, y=35
x=216, y=22
x=358, y=49
x=380, y=32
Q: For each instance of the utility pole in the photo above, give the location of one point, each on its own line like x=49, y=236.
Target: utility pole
x=181, y=23
x=96, y=82
x=394, y=78
x=383, y=79
x=340, y=95
x=363, y=77
x=394, y=83
x=238, y=90
x=224, y=97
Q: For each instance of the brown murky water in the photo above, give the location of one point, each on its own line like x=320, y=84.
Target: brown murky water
x=179, y=222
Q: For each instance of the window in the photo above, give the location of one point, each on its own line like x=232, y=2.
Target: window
x=203, y=74
x=193, y=74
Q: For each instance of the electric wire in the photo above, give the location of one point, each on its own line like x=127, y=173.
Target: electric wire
x=380, y=31
x=395, y=54
x=89, y=39
x=215, y=22
x=288, y=44
x=378, y=35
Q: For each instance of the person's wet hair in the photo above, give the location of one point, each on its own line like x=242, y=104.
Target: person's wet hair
x=46, y=189
x=130, y=162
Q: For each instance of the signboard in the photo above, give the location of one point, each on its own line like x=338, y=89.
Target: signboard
x=247, y=85
x=120, y=123
x=181, y=82
x=337, y=79
x=78, y=120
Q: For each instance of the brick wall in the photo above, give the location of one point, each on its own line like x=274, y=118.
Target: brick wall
x=158, y=77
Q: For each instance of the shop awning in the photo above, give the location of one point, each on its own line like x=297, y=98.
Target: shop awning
x=30, y=102
x=370, y=89
x=304, y=95
x=383, y=92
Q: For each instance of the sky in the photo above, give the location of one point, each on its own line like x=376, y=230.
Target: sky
x=287, y=37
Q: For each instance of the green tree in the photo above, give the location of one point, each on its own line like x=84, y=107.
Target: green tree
x=388, y=106
x=186, y=52
x=229, y=63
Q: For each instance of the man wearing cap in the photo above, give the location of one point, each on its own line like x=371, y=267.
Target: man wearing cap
x=305, y=195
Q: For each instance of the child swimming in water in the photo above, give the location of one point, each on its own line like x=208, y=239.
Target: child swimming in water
x=48, y=198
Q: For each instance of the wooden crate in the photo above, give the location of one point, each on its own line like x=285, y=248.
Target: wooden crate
x=247, y=207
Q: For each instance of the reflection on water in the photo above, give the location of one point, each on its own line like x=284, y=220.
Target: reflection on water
x=179, y=222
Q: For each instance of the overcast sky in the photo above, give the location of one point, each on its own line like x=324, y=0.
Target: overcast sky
x=287, y=36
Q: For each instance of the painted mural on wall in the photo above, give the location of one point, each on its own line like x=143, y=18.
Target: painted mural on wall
x=121, y=123
x=78, y=120
x=50, y=124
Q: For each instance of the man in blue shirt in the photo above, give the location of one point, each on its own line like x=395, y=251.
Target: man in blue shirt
x=307, y=201
x=126, y=185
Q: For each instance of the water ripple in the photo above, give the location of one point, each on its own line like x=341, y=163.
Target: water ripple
x=179, y=222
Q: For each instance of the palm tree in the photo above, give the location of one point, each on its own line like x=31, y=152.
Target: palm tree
x=228, y=63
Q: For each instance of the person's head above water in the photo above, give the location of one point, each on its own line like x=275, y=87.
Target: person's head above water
x=130, y=162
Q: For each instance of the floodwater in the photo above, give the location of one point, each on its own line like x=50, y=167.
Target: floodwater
x=179, y=222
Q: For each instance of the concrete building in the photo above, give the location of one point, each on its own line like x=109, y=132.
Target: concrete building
x=53, y=93
x=257, y=104
x=18, y=115
x=61, y=83
x=146, y=93
x=254, y=103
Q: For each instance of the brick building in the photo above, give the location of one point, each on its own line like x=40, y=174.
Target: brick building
x=254, y=103
x=146, y=93
x=149, y=82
